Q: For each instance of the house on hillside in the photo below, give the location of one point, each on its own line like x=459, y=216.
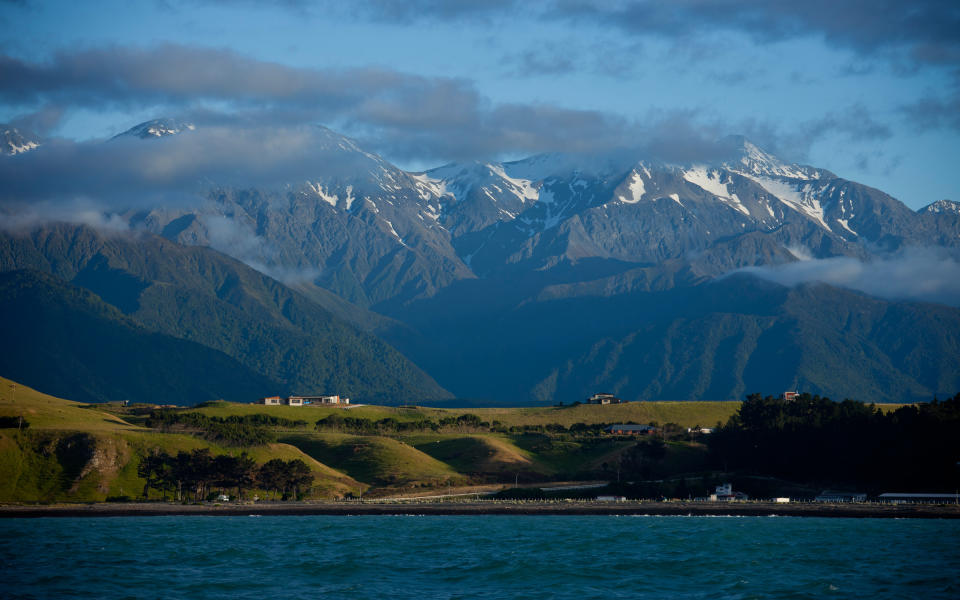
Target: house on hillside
x=788, y=396
x=304, y=400
x=327, y=400
x=604, y=399
x=630, y=429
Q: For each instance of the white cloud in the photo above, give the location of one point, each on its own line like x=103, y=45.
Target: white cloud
x=922, y=274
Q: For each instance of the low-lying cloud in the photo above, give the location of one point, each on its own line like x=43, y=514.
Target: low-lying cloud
x=919, y=274
x=131, y=172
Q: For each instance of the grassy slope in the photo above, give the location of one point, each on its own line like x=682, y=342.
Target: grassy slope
x=685, y=414
x=479, y=454
x=72, y=453
x=379, y=461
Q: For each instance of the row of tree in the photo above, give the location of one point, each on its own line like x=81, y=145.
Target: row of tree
x=813, y=439
x=198, y=473
x=466, y=422
x=235, y=430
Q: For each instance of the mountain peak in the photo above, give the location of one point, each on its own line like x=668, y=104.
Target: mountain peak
x=157, y=128
x=941, y=207
x=747, y=157
x=12, y=141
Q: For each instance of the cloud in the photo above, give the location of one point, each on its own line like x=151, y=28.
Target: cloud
x=551, y=59
x=927, y=28
x=120, y=76
x=919, y=274
x=83, y=211
x=933, y=113
x=130, y=172
x=270, y=149
x=413, y=117
x=40, y=122
x=441, y=10
x=408, y=117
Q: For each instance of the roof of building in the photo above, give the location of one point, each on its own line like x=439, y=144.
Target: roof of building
x=913, y=496
x=629, y=427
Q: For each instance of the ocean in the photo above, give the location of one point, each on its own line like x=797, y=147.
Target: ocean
x=425, y=557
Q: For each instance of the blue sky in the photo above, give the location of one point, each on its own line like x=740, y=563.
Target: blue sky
x=868, y=90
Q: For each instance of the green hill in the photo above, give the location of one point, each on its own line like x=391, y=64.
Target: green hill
x=73, y=452
x=73, y=344
x=378, y=461
x=200, y=295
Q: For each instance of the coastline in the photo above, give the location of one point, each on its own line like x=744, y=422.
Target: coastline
x=742, y=509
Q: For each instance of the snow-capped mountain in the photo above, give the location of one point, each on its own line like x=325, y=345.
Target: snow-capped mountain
x=374, y=233
x=13, y=142
x=504, y=213
x=553, y=276
x=357, y=225
x=157, y=128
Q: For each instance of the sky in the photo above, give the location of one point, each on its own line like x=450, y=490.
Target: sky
x=867, y=89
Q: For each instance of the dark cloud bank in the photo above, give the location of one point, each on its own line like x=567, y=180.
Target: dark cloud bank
x=404, y=116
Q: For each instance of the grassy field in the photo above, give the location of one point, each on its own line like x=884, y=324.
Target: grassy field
x=48, y=412
x=80, y=452
x=685, y=414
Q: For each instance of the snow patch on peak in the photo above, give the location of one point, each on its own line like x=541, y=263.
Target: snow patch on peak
x=942, y=207
x=428, y=188
x=753, y=161
x=394, y=232
x=324, y=195
x=523, y=189
x=801, y=196
x=711, y=181
x=13, y=142
x=157, y=128
x=635, y=188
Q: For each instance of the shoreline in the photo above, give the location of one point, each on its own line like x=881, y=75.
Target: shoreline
x=733, y=509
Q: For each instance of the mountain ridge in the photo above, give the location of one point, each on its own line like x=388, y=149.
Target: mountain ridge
x=531, y=269
x=196, y=294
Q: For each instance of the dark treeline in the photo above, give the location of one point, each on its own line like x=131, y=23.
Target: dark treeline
x=235, y=430
x=197, y=473
x=813, y=439
x=467, y=422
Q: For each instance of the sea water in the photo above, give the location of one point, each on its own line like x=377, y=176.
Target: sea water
x=425, y=557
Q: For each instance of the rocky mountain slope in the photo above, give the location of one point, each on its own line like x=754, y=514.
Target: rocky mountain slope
x=513, y=281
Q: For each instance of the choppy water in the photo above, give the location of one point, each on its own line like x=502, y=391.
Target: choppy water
x=478, y=557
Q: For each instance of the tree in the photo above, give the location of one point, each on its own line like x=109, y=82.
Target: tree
x=151, y=468
x=299, y=475
x=245, y=473
x=273, y=475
